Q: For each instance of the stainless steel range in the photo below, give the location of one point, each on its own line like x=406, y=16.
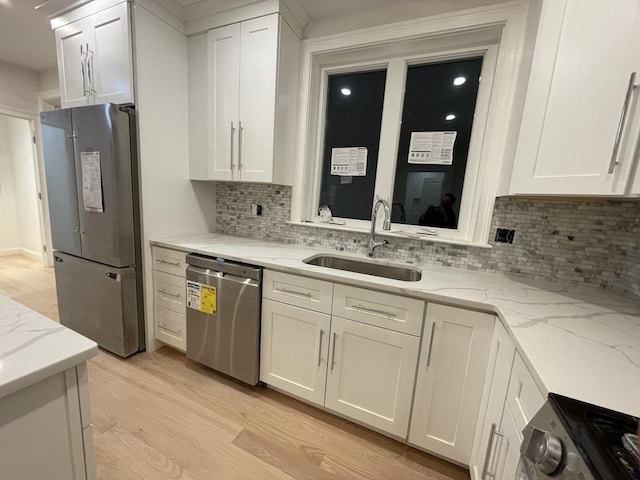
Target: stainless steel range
x=569, y=439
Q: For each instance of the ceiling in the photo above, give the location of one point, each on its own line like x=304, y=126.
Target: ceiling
x=26, y=38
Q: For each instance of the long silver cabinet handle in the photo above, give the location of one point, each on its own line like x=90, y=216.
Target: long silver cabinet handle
x=162, y=260
x=333, y=350
x=320, y=347
x=489, y=474
x=82, y=66
x=240, y=130
x=433, y=331
x=623, y=120
x=177, y=332
x=91, y=89
x=293, y=292
x=373, y=310
x=233, y=129
x=162, y=290
x=485, y=468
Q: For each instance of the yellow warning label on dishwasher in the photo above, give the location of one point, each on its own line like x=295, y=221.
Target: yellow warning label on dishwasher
x=201, y=297
x=208, y=302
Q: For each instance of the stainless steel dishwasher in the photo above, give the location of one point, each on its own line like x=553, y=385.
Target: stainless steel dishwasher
x=223, y=316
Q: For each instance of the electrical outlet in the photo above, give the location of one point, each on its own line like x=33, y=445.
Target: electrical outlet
x=504, y=235
x=256, y=210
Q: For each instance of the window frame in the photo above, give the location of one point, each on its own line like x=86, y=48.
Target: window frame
x=396, y=69
x=487, y=167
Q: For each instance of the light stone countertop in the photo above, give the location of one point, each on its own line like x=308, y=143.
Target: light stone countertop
x=579, y=342
x=34, y=347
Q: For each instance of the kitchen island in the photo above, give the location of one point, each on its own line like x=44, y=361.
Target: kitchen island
x=45, y=415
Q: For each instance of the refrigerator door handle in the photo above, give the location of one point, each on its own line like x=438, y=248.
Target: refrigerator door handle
x=113, y=276
x=57, y=258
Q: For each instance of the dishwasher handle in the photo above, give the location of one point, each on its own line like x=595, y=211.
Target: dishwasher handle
x=225, y=267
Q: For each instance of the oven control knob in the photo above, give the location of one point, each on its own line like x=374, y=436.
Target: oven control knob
x=547, y=453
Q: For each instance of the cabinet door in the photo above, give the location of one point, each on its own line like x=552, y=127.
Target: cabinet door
x=495, y=393
x=258, y=73
x=508, y=439
x=294, y=348
x=71, y=45
x=110, y=58
x=371, y=375
x=453, y=362
x=584, y=55
x=223, y=78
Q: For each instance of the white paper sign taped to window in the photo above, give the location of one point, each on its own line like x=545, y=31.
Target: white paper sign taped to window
x=91, y=181
x=434, y=148
x=349, y=161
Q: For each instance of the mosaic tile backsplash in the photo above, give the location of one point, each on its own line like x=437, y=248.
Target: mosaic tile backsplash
x=590, y=241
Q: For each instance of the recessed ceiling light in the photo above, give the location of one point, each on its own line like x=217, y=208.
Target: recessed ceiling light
x=345, y=91
x=451, y=116
x=459, y=81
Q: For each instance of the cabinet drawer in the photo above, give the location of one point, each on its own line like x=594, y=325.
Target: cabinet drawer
x=523, y=396
x=169, y=261
x=171, y=327
x=380, y=309
x=298, y=291
x=169, y=292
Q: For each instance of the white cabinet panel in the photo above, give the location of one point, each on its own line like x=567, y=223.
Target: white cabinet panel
x=451, y=373
x=111, y=60
x=585, y=52
x=169, y=291
x=523, y=397
x=496, y=383
x=170, y=327
x=371, y=375
x=71, y=43
x=294, y=348
x=169, y=261
x=508, y=440
x=299, y=291
x=381, y=309
x=223, y=99
x=258, y=67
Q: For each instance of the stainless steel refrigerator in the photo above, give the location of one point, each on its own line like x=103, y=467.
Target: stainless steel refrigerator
x=91, y=168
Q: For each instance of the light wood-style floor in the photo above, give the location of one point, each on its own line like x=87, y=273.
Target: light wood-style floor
x=159, y=416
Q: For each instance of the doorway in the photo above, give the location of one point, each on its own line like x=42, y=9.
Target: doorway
x=21, y=217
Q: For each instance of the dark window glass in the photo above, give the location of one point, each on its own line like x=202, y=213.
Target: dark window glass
x=353, y=119
x=426, y=194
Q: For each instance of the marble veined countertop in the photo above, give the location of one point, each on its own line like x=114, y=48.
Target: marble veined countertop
x=34, y=347
x=579, y=342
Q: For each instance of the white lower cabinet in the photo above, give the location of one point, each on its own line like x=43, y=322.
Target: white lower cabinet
x=492, y=406
x=169, y=297
x=371, y=375
x=451, y=371
x=294, y=350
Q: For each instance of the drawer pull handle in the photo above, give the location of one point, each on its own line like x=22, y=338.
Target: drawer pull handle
x=320, y=347
x=293, y=292
x=433, y=331
x=373, y=310
x=486, y=473
x=333, y=350
x=162, y=260
x=485, y=468
x=162, y=290
x=177, y=332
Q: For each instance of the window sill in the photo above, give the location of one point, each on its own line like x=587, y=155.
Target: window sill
x=393, y=233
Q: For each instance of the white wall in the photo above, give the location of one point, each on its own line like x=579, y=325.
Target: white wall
x=19, y=181
x=171, y=205
x=18, y=88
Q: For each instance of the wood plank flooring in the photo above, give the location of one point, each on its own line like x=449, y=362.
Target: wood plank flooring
x=160, y=416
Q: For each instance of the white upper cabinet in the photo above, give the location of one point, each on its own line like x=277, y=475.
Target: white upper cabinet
x=580, y=122
x=246, y=75
x=95, y=58
x=451, y=373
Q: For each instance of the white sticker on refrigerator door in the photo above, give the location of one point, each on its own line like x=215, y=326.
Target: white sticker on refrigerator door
x=193, y=295
x=91, y=181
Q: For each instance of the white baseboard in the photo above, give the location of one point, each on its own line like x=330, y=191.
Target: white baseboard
x=5, y=252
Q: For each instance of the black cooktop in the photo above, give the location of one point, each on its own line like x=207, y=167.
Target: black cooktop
x=598, y=434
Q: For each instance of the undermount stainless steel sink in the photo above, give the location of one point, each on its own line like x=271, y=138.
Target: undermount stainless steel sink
x=368, y=267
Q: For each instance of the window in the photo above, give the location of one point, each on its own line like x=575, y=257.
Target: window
x=424, y=80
